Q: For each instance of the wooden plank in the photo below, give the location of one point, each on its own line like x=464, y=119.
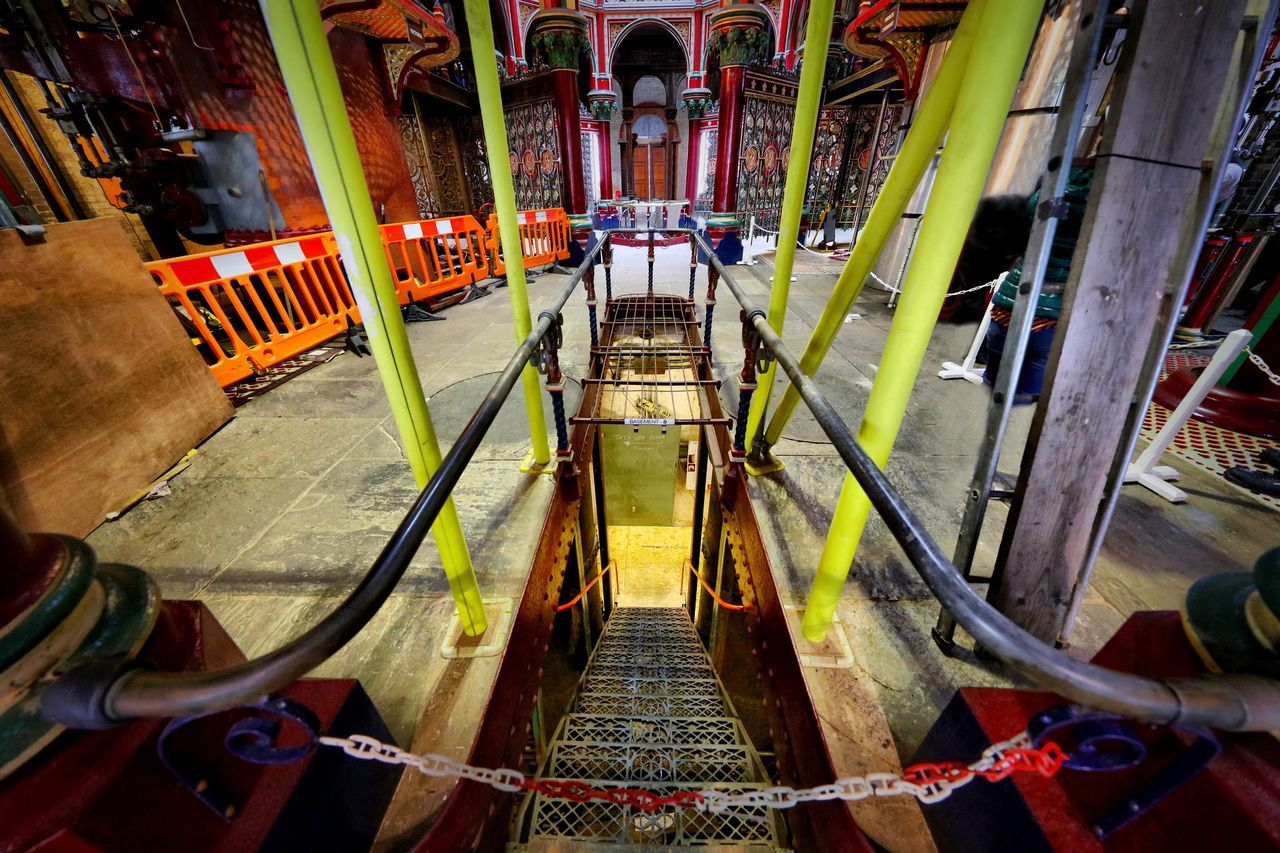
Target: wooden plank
x=1132, y=253
x=102, y=389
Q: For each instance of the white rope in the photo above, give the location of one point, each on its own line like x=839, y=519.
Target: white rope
x=1262, y=365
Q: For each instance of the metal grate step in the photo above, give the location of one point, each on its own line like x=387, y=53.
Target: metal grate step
x=650, y=712
x=619, y=824
x=608, y=728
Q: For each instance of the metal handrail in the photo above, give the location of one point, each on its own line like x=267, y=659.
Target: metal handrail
x=101, y=695
x=1233, y=702
x=104, y=694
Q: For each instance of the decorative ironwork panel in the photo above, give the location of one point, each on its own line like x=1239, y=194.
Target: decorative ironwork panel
x=588, y=176
x=707, y=169
x=868, y=167
x=535, y=155
x=829, y=144
x=446, y=171
x=475, y=162
x=415, y=153
x=763, y=157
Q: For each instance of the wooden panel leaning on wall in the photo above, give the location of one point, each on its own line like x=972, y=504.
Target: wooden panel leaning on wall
x=101, y=389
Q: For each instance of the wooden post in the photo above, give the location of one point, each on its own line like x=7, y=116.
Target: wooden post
x=1132, y=254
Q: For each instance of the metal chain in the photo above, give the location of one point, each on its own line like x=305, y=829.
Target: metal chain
x=1263, y=366
x=928, y=783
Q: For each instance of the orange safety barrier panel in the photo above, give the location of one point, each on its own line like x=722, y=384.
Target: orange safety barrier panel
x=255, y=306
x=544, y=236
x=433, y=257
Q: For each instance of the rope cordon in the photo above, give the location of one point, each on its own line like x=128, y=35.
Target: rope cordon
x=928, y=782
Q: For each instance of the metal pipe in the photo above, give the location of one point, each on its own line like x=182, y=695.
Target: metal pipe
x=93, y=697
x=10, y=133
x=489, y=92
x=803, y=127
x=72, y=202
x=911, y=163
x=1233, y=702
x=602, y=517
x=1004, y=36
x=300, y=43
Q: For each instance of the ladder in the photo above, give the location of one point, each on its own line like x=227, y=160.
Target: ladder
x=649, y=713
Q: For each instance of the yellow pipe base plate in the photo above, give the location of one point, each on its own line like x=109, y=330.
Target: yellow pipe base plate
x=530, y=466
x=771, y=465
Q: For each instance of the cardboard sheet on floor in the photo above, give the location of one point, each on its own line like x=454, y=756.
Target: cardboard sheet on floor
x=100, y=388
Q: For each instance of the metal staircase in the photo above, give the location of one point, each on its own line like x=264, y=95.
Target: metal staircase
x=650, y=713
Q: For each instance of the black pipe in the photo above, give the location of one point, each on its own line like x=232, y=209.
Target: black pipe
x=699, y=509
x=94, y=697
x=602, y=520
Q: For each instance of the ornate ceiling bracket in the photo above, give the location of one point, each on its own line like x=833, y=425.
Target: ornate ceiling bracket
x=560, y=37
x=894, y=31
x=739, y=34
x=417, y=40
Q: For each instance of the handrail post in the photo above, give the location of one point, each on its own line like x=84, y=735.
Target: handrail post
x=713, y=276
x=650, y=262
x=693, y=265
x=549, y=362
x=480, y=31
x=302, y=49
x=589, y=281
x=606, y=255
x=746, y=384
x=803, y=127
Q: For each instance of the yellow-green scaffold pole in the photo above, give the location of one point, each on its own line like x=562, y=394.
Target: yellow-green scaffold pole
x=812, y=69
x=1005, y=31
x=923, y=139
x=480, y=32
x=307, y=65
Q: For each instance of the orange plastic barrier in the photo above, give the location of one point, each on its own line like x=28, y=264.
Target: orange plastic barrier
x=256, y=306
x=433, y=257
x=544, y=236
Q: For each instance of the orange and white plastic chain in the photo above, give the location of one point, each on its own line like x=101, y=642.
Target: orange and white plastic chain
x=928, y=783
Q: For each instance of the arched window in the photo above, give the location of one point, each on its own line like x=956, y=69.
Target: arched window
x=649, y=127
x=649, y=90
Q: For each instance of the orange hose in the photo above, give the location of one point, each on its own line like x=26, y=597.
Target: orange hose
x=688, y=567
x=563, y=607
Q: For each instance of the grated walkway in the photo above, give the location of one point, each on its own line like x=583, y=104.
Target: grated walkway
x=650, y=712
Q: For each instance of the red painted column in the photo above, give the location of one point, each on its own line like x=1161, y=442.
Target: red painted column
x=691, y=169
x=1207, y=301
x=732, y=81
x=564, y=84
x=606, y=162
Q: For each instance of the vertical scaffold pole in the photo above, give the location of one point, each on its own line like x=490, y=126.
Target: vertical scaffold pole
x=927, y=129
x=480, y=31
x=309, y=74
x=817, y=36
x=1005, y=31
